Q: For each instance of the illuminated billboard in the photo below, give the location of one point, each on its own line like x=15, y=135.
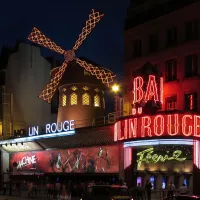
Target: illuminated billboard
x=81, y=160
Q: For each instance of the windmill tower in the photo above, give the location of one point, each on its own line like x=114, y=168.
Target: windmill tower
x=80, y=95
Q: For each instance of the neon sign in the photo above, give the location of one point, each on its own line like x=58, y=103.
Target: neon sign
x=58, y=127
x=185, y=125
x=26, y=161
x=151, y=90
x=148, y=156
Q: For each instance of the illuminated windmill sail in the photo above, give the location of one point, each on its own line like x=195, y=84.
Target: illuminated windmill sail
x=36, y=36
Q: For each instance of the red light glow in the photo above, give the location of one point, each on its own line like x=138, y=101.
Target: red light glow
x=185, y=125
x=148, y=93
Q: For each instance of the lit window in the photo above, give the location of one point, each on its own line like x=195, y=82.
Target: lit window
x=73, y=99
x=86, y=99
x=96, y=101
x=86, y=88
x=64, y=100
x=74, y=88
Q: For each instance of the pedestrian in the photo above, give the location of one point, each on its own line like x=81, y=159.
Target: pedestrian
x=148, y=188
x=170, y=189
x=183, y=190
x=4, y=188
x=139, y=192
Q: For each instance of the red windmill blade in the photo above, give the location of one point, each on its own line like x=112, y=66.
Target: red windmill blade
x=38, y=37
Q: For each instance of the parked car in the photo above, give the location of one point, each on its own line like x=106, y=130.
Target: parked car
x=107, y=192
x=184, y=197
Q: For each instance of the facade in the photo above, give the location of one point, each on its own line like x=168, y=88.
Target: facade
x=161, y=41
x=23, y=69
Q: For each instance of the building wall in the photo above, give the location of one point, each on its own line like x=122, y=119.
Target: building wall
x=183, y=48
x=26, y=75
x=82, y=114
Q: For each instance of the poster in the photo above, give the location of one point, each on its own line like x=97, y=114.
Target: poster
x=80, y=160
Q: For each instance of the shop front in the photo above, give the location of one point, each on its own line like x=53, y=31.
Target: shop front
x=161, y=148
x=87, y=154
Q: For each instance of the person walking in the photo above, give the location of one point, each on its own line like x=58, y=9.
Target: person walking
x=148, y=188
x=139, y=192
x=170, y=189
x=4, y=188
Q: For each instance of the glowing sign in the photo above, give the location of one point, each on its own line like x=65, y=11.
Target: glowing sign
x=148, y=156
x=26, y=161
x=157, y=126
x=58, y=127
x=151, y=91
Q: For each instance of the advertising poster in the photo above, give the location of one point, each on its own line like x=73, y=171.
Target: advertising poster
x=80, y=160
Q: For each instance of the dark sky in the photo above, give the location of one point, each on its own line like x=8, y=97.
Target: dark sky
x=62, y=21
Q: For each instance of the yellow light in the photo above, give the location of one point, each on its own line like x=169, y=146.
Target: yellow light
x=115, y=88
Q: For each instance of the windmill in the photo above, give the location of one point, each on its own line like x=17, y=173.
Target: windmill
x=36, y=36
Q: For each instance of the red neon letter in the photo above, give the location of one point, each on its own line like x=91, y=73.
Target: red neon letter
x=133, y=128
x=196, y=126
x=138, y=91
x=161, y=90
x=161, y=126
x=184, y=125
x=175, y=124
x=146, y=126
x=151, y=89
x=125, y=128
x=116, y=131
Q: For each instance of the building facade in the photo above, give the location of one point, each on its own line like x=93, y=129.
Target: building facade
x=160, y=37
x=23, y=70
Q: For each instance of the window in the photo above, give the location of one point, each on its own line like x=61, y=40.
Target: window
x=153, y=43
x=73, y=99
x=74, y=88
x=191, y=30
x=103, y=102
x=64, y=100
x=191, y=65
x=86, y=88
x=137, y=48
x=171, y=36
x=86, y=99
x=96, y=101
x=191, y=101
x=171, y=70
x=171, y=103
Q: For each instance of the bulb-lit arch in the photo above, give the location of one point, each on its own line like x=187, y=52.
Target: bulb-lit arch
x=96, y=101
x=73, y=99
x=86, y=99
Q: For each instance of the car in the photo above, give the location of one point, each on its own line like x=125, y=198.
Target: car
x=107, y=192
x=183, y=197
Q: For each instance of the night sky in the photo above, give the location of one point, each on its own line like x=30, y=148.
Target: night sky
x=62, y=21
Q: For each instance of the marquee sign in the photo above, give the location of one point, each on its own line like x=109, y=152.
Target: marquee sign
x=59, y=127
x=149, y=156
x=159, y=125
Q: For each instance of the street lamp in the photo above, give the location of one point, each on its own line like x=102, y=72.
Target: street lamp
x=115, y=88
